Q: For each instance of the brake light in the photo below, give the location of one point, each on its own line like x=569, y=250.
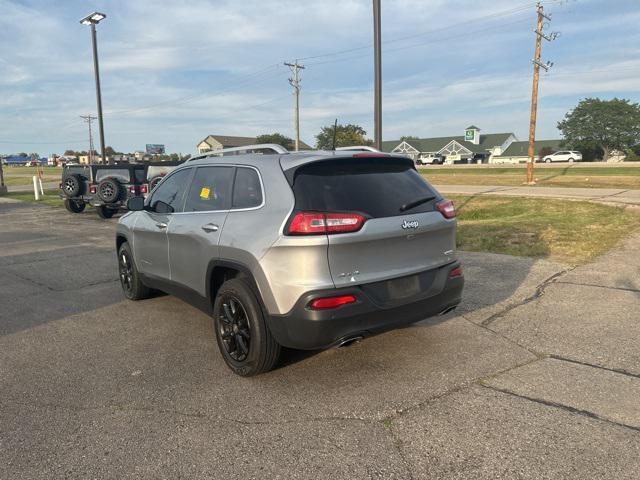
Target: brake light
x=456, y=272
x=316, y=223
x=92, y=188
x=446, y=208
x=326, y=303
x=144, y=188
x=132, y=189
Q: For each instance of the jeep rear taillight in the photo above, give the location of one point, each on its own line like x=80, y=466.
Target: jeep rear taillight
x=144, y=188
x=92, y=188
x=446, y=208
x=132, y=189
x=317, y=223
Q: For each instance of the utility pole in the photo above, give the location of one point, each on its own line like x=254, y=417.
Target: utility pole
x=537, y=64
x=295, y=83
x=377, y=96
x=89, y=119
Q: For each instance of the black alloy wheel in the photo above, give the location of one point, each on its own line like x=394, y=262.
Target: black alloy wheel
x=130, y=280
x=74, y=206
x=125, y=269
x=71, y=186
x=234, y=328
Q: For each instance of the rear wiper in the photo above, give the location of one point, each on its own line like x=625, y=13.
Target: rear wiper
x=415, y=203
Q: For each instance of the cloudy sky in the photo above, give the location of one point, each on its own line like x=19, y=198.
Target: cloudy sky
x=175, y=71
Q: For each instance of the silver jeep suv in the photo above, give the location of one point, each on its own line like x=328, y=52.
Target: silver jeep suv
x=301, y=250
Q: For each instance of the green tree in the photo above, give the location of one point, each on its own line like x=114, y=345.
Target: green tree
x=276, y=138
x=408, y=138
x=34, y=155
x=69, y=153
x=346, y=136
x=602, y=124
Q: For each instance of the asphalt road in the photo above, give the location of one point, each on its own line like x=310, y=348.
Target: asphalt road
x=536, y=376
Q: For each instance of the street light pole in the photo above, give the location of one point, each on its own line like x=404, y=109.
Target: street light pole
x=377, y=101
x=92, y=20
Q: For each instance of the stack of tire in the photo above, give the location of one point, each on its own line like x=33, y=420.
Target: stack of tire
x=72, y=187
x=110, y=191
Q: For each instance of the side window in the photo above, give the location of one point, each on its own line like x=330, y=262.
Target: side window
x=171, y=192
x=210, y=189
x=246, y=189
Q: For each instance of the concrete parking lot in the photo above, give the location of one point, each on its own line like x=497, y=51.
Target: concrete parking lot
x=537, y=375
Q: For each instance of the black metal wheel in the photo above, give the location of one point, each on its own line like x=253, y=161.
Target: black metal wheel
x=106, y=212
x=125, y=268
x=109, y=190
x=245, y=341
x=234, y=328
x=132, y=286
x=74, y=206
x=71, y=186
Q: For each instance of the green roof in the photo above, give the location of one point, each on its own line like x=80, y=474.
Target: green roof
x=521, y=149
x=426, y=145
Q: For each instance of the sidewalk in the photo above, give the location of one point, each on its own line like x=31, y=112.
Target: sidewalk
x=613, y=195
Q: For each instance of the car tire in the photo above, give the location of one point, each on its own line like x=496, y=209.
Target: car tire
x=547, y=160
x=109, y=190
x=571, y=160
x=132, y=286
x=244, y=339
x=105, y=212
x=74, y=206
x=72, y=185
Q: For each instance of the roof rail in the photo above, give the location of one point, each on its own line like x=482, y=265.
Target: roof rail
x=264, y=148
x=359, y=148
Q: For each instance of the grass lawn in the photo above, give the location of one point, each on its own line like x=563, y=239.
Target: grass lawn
x=565, y=176
x=50, y=197
x=23, y=175
x=570, y=232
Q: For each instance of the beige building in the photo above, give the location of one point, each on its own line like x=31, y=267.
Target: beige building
x=218, y=142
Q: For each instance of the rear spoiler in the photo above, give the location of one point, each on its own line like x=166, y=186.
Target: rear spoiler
x=291, y=170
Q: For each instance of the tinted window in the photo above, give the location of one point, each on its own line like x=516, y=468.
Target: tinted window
x=376, y=187
x=172, y=190
x=246, y=189
x=119, y=173
x=210, y=189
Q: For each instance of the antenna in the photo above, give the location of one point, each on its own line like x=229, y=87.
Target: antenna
x=335, y=130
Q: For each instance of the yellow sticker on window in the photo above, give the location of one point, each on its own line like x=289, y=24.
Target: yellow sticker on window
x=204, y=193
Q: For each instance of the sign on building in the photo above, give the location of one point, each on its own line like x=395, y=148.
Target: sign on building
x=155, y=149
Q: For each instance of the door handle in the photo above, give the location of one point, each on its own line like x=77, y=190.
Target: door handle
x=210, y=227
x=161, y=225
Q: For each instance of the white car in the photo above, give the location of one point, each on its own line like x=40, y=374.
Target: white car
x=563, y=156
x=430, y=160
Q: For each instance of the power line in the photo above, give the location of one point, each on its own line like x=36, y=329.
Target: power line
x=88, y=119
x=491, y=16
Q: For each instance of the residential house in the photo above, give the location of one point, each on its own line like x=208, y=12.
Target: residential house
x=218, y=142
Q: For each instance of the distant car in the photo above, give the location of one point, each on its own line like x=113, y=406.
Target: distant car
x=430, y=160
x=357, y=148
x=563, y=156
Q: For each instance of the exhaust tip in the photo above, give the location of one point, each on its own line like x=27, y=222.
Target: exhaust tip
x=448, y=309
x=347, y=342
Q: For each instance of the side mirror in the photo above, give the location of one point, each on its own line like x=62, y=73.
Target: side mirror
x=162, y=207
x=135, y=204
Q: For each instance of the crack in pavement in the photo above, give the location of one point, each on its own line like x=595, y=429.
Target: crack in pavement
x=624, y=289
x=599, y=367
x=549, y=403
x=537, y=294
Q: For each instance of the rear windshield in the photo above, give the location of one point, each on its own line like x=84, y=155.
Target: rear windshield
x=375, y=187
x=119, y=173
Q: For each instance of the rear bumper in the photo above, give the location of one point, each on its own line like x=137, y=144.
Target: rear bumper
x=306, y=329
